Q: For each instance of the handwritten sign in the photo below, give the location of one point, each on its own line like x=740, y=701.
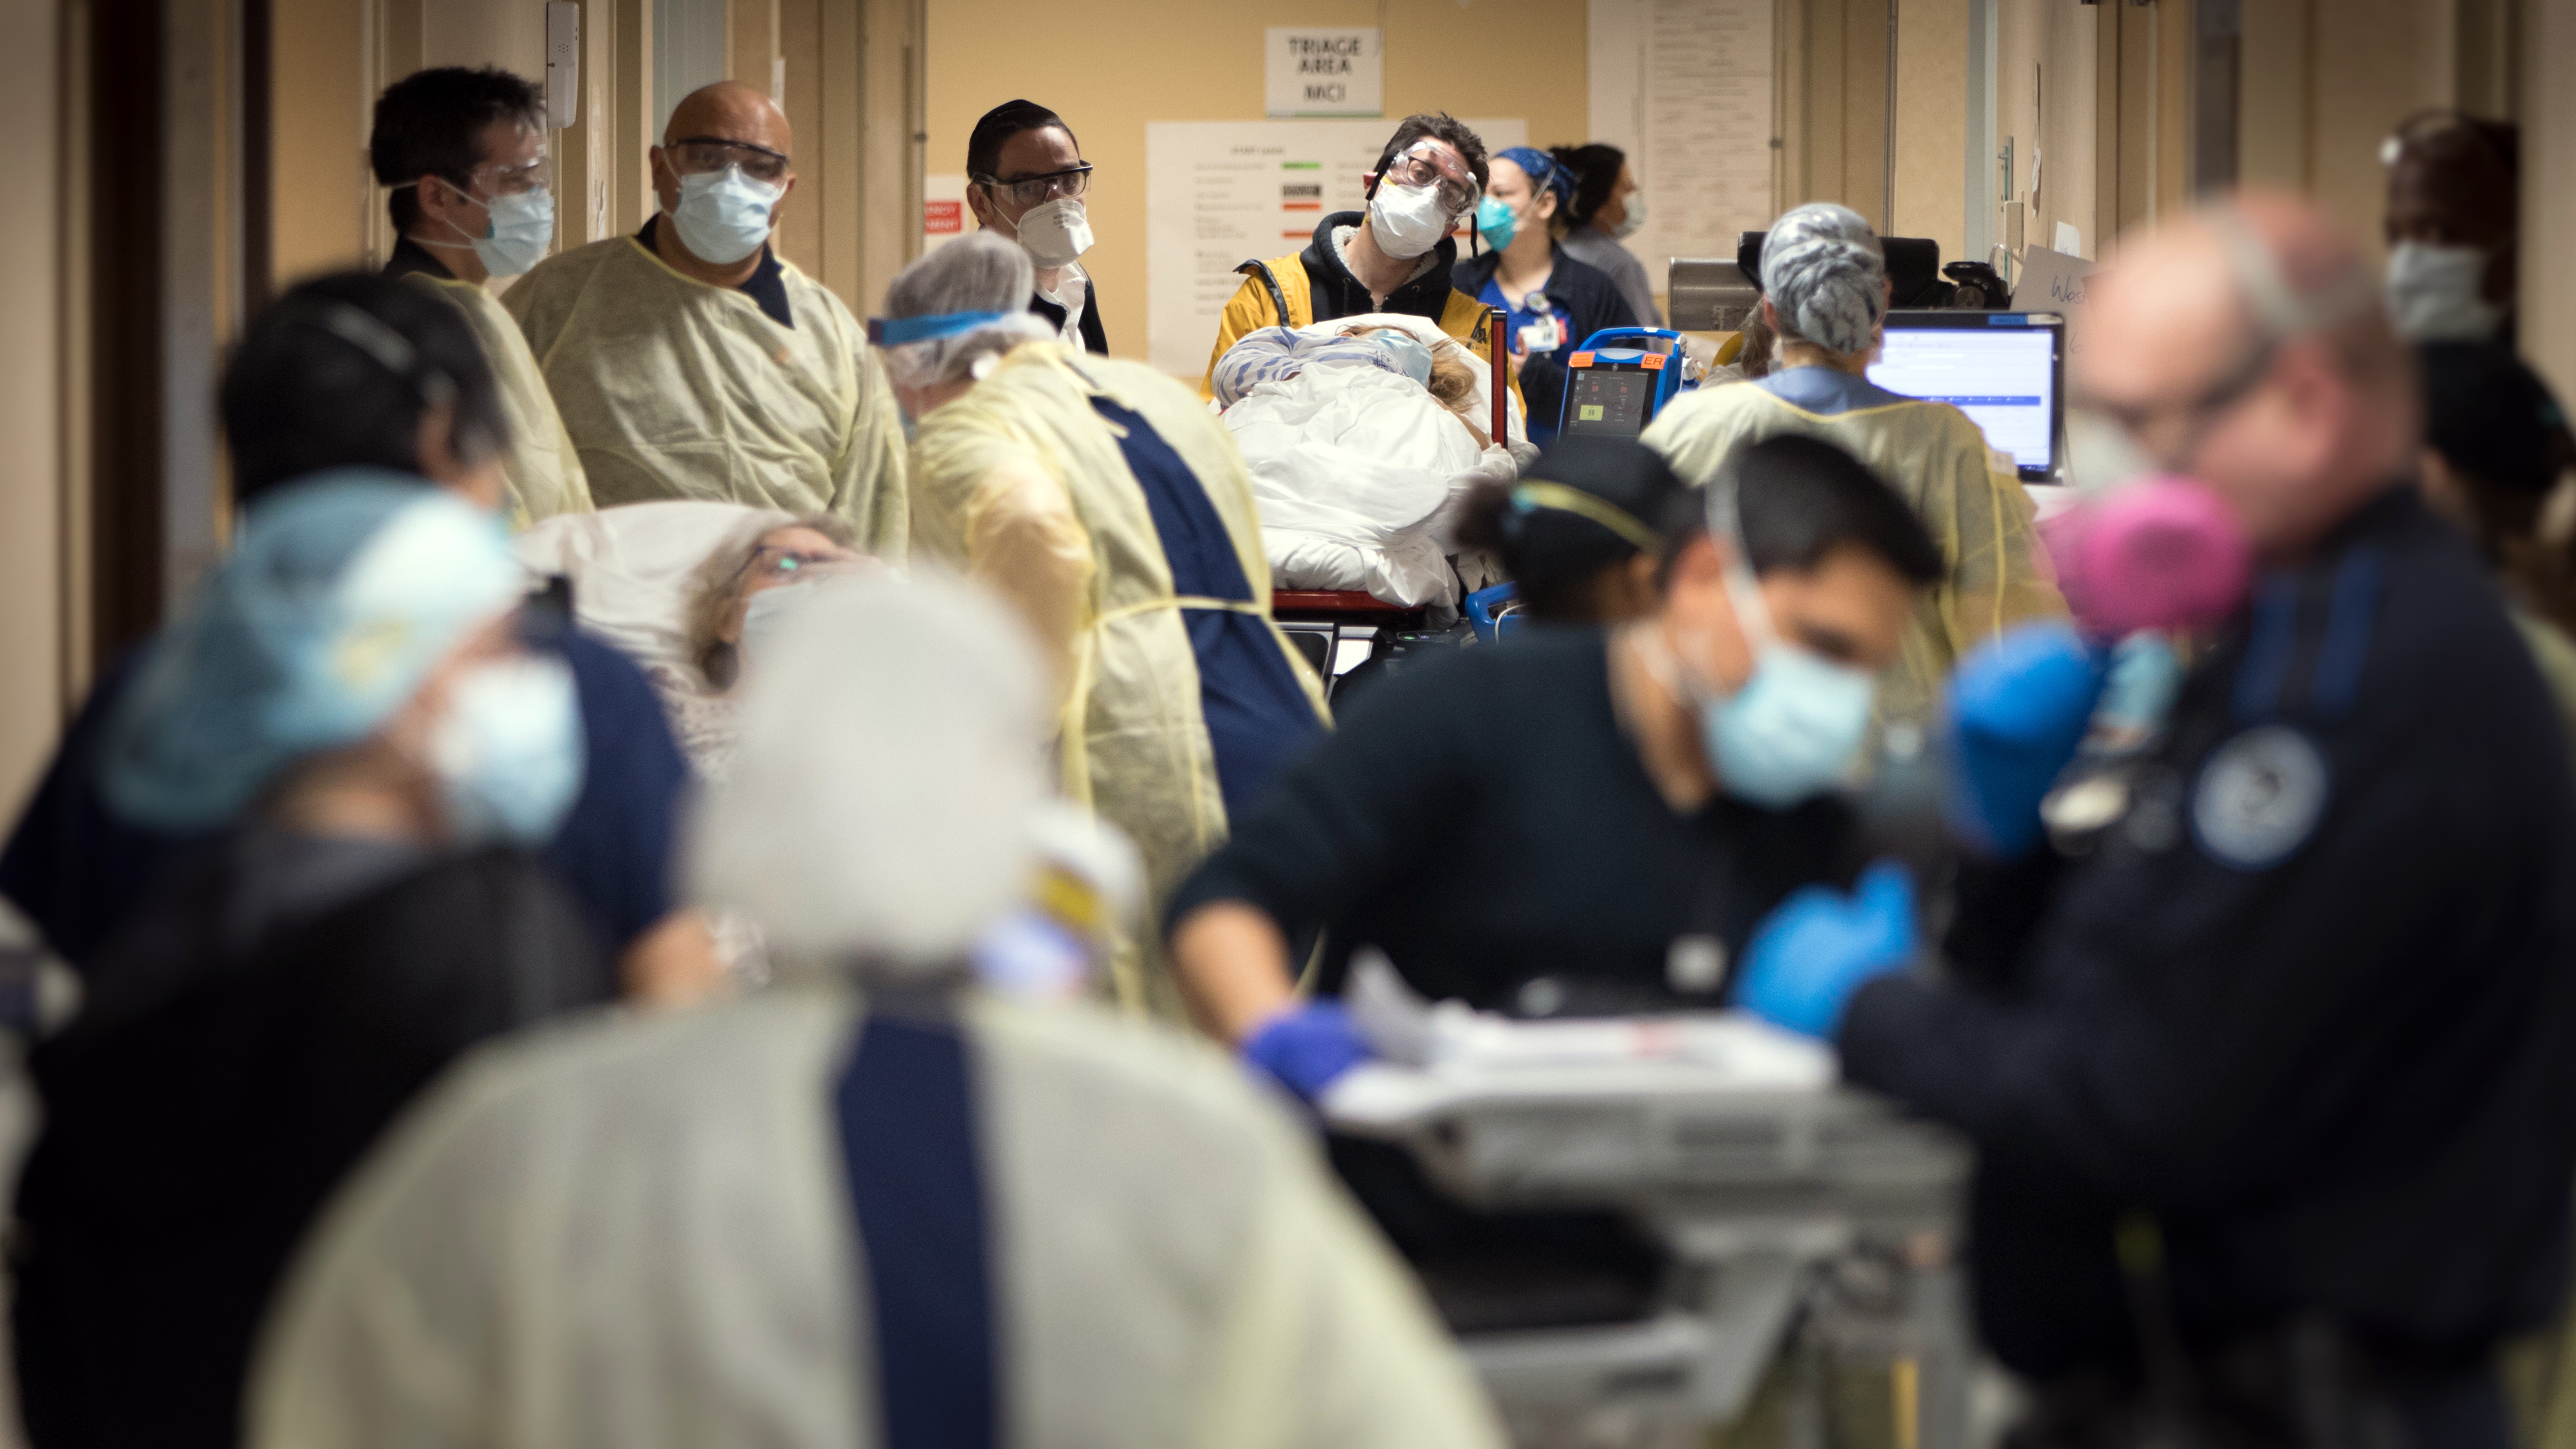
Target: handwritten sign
x=2054, y=282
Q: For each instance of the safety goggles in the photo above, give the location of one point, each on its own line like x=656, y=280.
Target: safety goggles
x=490, y=182
x=1423, y=164
x=1028, y=191
x=699, y=155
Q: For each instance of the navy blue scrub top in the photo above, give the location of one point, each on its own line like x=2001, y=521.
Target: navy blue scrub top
x=1258, y=717
x=77, y=871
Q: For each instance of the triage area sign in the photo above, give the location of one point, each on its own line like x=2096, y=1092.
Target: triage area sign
x=1326, y=72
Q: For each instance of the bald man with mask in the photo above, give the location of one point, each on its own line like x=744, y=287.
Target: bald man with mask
x=691, y=361
x=2265, y=1055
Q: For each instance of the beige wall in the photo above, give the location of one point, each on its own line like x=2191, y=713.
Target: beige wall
x=33, y=656
x=321, y=198
x=2548, y=323
x=1118, y=64
x=2045, y=91
x=1932, y=132
x=2325, y=85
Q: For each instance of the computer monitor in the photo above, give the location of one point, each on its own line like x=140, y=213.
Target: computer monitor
x=2005, y=370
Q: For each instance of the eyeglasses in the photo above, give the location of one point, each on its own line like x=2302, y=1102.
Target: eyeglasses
x=774, y=563
x=1036, y=190
x=1423, y=165
x=2168, y=434
x=699, y=155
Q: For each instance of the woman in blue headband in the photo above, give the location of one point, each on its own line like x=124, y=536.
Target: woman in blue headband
x=1555, y=301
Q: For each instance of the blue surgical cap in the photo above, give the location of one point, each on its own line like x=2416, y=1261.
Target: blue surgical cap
x=342, y=594
x=1544, y=170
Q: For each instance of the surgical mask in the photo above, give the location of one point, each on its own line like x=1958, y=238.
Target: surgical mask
x=1497, y=223
x=769, y=609
x=724, y=216
x=1793, y=730
x=508, y=753
x=522, y=226
x=2159, y=552
x=2436, y=294
x=1635, y=218
x=1407, y=220
x=1055, y=232
x=1411, y=357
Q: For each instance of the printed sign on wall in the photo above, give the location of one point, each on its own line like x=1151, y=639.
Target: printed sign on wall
x=1325, y=72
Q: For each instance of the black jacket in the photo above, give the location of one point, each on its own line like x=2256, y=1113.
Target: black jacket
x=1590, y=301
x=2309, y=1003
x=1094, y=340
x=213, y=1093
x=1336, y=293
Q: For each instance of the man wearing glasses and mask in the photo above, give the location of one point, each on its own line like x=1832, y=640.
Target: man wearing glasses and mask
x=464, y=152
x=1393, y=257
x=1028, y=182
x=690, y=361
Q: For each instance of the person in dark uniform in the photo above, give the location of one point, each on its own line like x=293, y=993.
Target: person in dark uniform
x=1026, y=181
x=2270, y=1074
x=1580, y=818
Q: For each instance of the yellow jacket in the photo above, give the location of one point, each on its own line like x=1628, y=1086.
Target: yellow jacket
x=1258, y=303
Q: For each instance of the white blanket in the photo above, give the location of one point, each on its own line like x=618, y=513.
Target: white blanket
x=1358, y=472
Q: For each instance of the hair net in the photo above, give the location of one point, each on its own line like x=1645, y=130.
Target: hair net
x=344, y=592
x=977, y=273
x=1544, y=171
x=892, y=753
x=1823, y=270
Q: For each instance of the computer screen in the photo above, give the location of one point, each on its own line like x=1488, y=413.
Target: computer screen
x=1607, y=402
x=2000, y=368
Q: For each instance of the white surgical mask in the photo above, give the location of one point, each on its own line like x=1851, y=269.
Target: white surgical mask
x=1055, y=232
x=1635, y=218
x=770, y=608
x=724, y=216
x=2435, y=294
x=508, y=753
x=1407, y=220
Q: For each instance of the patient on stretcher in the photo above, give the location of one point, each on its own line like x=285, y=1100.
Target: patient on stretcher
x=1363, y=435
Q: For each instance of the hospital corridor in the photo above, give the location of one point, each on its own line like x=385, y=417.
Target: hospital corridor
x=1364, y=724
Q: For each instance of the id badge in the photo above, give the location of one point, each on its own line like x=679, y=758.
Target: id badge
x=1543, y=335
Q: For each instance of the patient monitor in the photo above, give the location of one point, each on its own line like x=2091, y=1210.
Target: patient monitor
x=1619, y=380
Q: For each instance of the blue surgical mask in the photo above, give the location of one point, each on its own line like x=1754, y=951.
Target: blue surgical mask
x=521, y=227
x=1411, y=357
x=724, y=216
x=508, y=753
x=1497, y=222
x=1792, y=732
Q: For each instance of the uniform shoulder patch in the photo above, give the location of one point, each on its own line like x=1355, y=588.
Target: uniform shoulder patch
x=2259, y=797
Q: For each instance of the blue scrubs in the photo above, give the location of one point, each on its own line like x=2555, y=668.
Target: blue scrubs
x=1258, y=717
x=1547, y=334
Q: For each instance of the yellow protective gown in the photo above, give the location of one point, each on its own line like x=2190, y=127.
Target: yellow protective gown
x=637, y=1233
x=542, y=470
x=672, y=388
x=1937, y=460
x=1021, y=483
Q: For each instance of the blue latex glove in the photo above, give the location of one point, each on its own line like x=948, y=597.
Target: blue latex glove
x=2019, y=706
x=1307, y=1047
x=1819, y=946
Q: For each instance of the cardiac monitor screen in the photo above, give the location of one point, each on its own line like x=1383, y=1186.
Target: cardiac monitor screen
x=2003, y=378
x=1600, y=402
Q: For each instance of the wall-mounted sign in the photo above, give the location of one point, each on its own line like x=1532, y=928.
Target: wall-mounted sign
x=1326, y=72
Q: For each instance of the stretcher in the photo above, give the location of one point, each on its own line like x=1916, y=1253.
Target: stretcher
x=1732, y=1147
